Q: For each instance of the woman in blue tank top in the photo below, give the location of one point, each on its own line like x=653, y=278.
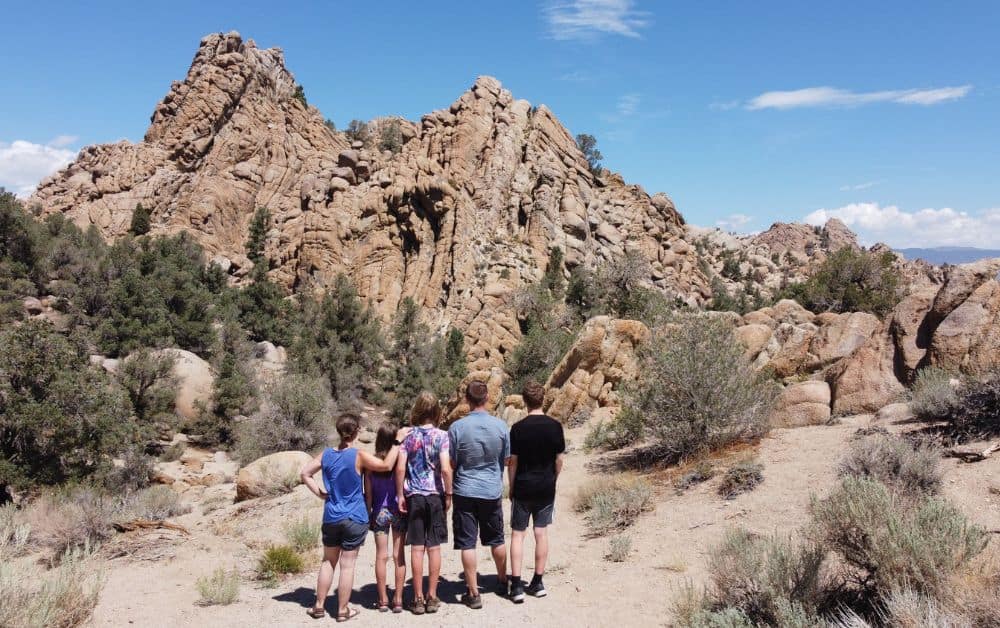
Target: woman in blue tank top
x=345, y=514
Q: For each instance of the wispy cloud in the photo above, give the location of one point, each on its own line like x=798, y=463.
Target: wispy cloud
x=23, y=164
x=724, y=106
x=734, y=222
x=628, y=105
x=861, y=186
x=834, y=97
x=588, y=19
x=921, y=228
x=576, y=76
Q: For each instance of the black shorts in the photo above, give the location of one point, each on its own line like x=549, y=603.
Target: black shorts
x=345, y=534
x=482, y=516
x=425, y=523
x=540, y=512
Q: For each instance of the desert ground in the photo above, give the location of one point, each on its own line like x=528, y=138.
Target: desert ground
x=153, y=583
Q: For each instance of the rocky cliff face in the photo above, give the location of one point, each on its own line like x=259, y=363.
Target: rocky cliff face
x=460, y=217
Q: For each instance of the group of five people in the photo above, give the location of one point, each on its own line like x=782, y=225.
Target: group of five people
x=417, y=474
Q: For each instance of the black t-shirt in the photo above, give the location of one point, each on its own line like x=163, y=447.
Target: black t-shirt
x=536, y=440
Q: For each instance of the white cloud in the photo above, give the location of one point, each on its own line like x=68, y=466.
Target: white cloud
x=63, y=140
x=734, y=222
x=724, y=106
x=576, y=76
x=628, y=105
x=921, y=228
x=834, y=97
x=23, y=164
x=861, y=186
x=588, y=19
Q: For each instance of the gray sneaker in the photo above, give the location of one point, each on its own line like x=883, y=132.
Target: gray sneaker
x=536, y=590
x=517, y=593
x=503, y=588
x=472, y=601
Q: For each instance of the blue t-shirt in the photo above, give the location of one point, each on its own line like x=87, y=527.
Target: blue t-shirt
x=480, y=447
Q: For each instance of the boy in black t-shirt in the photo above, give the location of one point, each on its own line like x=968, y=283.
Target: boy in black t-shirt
x=537, y=446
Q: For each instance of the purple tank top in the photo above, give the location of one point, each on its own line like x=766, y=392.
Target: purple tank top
x=384, y=492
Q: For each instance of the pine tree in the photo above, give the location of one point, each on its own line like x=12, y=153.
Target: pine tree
x=140, y=221
x=257, y=240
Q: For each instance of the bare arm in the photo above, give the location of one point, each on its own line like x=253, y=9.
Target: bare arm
x=511, y=474
x=400, y=476
x=559, y=464
x=371, y=462
x=447, y=476
x=309, y=469
x=368, y=491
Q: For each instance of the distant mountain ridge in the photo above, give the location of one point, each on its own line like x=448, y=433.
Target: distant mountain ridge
x=949, y=254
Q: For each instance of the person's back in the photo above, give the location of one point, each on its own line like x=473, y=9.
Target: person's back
x=480, y=445
x=536, y=440
x=345, y=497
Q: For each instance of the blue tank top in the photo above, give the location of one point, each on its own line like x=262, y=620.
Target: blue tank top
x=345, y=491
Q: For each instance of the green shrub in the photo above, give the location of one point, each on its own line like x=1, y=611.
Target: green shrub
x=769, y=579
x=296, y=414
x=588, y=146
x=891, y=542
x=740, y=478
x=850, y=280
x=908, y=467
x=303, y=534
x=357, y=131
x=279, y=560
x=300, y=95
x=619, y=548
x=613, y=504
x=390, y=136
x=60, y=419
x=134, y=472
x=618, y=288
x=62, y=597
x=695, y=392
x=234, y=389
x=140, y=221
x=977, y=414
x=148, y=379
x=173, y=452
x=932, y=397
x=222, y=588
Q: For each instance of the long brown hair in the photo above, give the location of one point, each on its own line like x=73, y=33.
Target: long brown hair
x=426, y=409
x=384, y=439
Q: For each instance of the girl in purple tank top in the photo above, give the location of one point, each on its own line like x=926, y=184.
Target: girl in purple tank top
x=384, y=516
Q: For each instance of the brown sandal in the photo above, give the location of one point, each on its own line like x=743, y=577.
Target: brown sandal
x=316, y=613
x=349, y=614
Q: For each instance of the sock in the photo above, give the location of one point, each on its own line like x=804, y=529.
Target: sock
x=536, y=579
x=515, y=580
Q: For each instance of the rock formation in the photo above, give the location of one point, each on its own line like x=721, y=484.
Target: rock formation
x=460, y=216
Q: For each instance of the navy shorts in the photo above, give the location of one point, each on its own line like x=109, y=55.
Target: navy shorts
x=472, y=516
x=540, y=512
x=425, y=522
x=345, y=534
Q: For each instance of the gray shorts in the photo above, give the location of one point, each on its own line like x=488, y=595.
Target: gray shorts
x=346, y=534
x=540, y=512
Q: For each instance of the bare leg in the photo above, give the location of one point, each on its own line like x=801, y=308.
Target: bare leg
x=433, y=570
x=500, y=560
x=330, y=557
x=516, y=552
x=417, y=569
x=381, y=557
x=541, y=549
x=469, y=563
x=347, y=560
x=399, y=559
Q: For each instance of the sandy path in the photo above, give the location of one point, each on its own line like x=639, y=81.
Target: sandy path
x=669, y=549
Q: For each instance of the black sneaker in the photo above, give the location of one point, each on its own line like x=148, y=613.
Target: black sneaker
x=517, y=592
x=472, y=601
x=503, y=588
x=537, y=590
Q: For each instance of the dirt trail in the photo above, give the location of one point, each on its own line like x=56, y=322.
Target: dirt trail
x=669, y=549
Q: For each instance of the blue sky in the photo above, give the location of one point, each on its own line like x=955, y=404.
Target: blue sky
x=883, y=114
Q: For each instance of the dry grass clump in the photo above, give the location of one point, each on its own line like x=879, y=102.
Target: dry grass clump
x=742, y=477
x=912, y=468
x=977, y=414
x=222, y=588
x=303, y=534
x=701, y=472
x=278, y=561
x=619, y=548
x=62, y=597
x=613, y=503
x=932, y=397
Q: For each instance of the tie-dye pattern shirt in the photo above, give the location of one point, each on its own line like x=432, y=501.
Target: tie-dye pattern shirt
x=423, y=447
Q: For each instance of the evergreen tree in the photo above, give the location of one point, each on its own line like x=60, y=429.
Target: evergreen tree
x=300, y=95
x=256, y=244
x=140, y=221
x=234, y=391
x=588, y=146
x=340, y=339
